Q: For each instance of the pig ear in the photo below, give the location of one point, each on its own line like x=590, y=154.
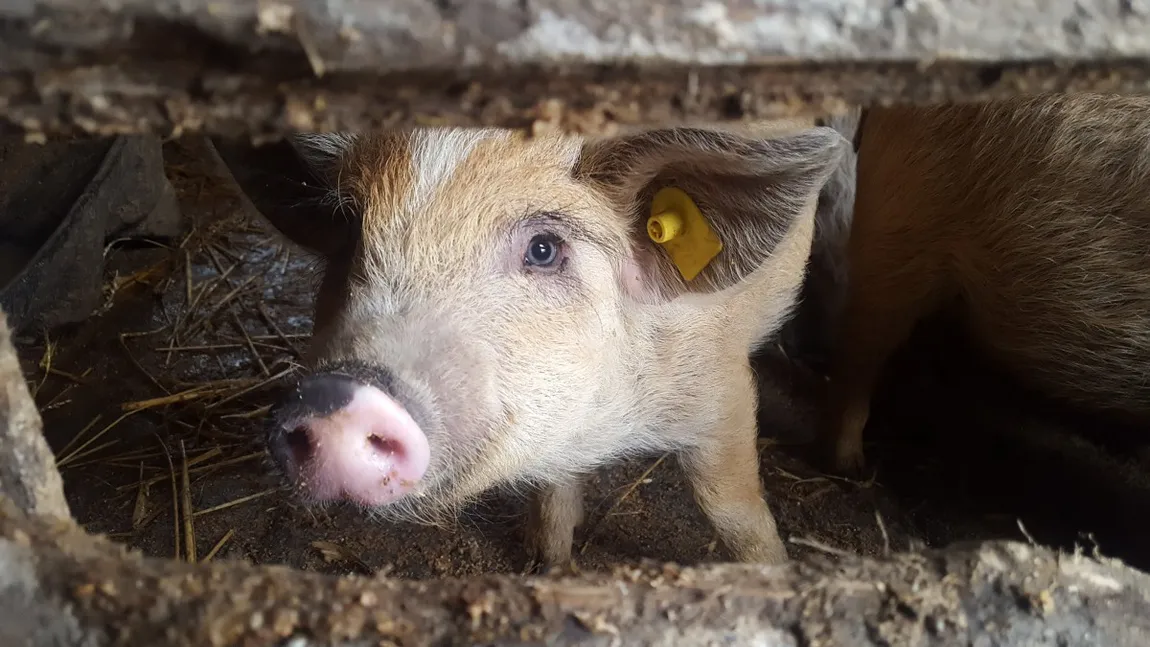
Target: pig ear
x=292, y=184
x=751, y=192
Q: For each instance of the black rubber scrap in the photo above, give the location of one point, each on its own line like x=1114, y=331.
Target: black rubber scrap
x=60, y=203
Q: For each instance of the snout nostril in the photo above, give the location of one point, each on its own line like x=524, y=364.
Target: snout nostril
x=385, y=446
x=299, y=442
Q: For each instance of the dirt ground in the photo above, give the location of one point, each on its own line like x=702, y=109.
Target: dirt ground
x=174, y=377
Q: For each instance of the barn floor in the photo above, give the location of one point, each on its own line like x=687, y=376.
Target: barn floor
x=170, y=384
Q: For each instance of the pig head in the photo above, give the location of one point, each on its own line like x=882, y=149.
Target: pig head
x=493, y=312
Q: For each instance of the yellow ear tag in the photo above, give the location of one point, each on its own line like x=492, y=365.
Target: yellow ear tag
x=678, y=225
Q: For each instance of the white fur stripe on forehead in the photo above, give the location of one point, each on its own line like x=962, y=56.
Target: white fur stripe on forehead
x=437, y=152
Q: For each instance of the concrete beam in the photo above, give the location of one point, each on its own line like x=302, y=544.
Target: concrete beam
x=265, y=67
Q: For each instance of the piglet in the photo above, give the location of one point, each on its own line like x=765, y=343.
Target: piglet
x=1030, y=219
x=500, y=309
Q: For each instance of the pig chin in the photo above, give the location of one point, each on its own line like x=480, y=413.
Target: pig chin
x=351, y=432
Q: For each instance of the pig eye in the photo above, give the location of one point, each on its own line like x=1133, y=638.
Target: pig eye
x=544, y=251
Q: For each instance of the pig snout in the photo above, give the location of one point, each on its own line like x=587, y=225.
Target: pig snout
x=340, y=438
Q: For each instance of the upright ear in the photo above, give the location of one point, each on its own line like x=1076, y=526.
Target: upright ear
x=750, y=191
x=292, y=183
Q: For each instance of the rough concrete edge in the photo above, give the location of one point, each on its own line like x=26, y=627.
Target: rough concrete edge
x=173, y=99
x=404, y=35
x=1002, y=593
x=261, y=68
x=28, y=471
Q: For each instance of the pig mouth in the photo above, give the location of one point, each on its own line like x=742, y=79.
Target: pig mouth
x=342, y=433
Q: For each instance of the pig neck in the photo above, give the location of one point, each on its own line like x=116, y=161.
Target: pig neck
x=684, y=365
x=687, y=361
x=671, y=378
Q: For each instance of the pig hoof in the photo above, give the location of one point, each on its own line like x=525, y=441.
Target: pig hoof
x=840, y=455
x=533, y=567
x=536, y=563
x=543, y=567
x=540, y=560
x=849, y=461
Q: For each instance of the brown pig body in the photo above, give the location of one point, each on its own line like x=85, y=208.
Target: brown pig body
x=1031, y=216
x=493, y=312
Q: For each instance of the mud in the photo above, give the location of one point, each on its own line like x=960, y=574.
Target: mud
x=960, y=452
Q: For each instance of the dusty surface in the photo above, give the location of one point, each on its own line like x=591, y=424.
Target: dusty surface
x=419, y=35
x=28, y=474
x=261, y=67
x=973, y=456
x=67, y=587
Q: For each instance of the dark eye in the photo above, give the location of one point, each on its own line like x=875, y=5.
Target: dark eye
x=543, y=251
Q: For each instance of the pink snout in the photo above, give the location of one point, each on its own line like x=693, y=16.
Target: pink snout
x=349, y=440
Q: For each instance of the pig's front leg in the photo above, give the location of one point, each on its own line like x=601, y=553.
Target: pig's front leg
x=724, y=472
x=555, y=511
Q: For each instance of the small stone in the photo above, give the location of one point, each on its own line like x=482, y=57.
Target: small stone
x=274, y=17
x=285, y=621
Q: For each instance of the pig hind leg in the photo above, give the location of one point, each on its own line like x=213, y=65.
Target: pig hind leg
x=896, y=279
x=555, y=511
x=724, y=472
